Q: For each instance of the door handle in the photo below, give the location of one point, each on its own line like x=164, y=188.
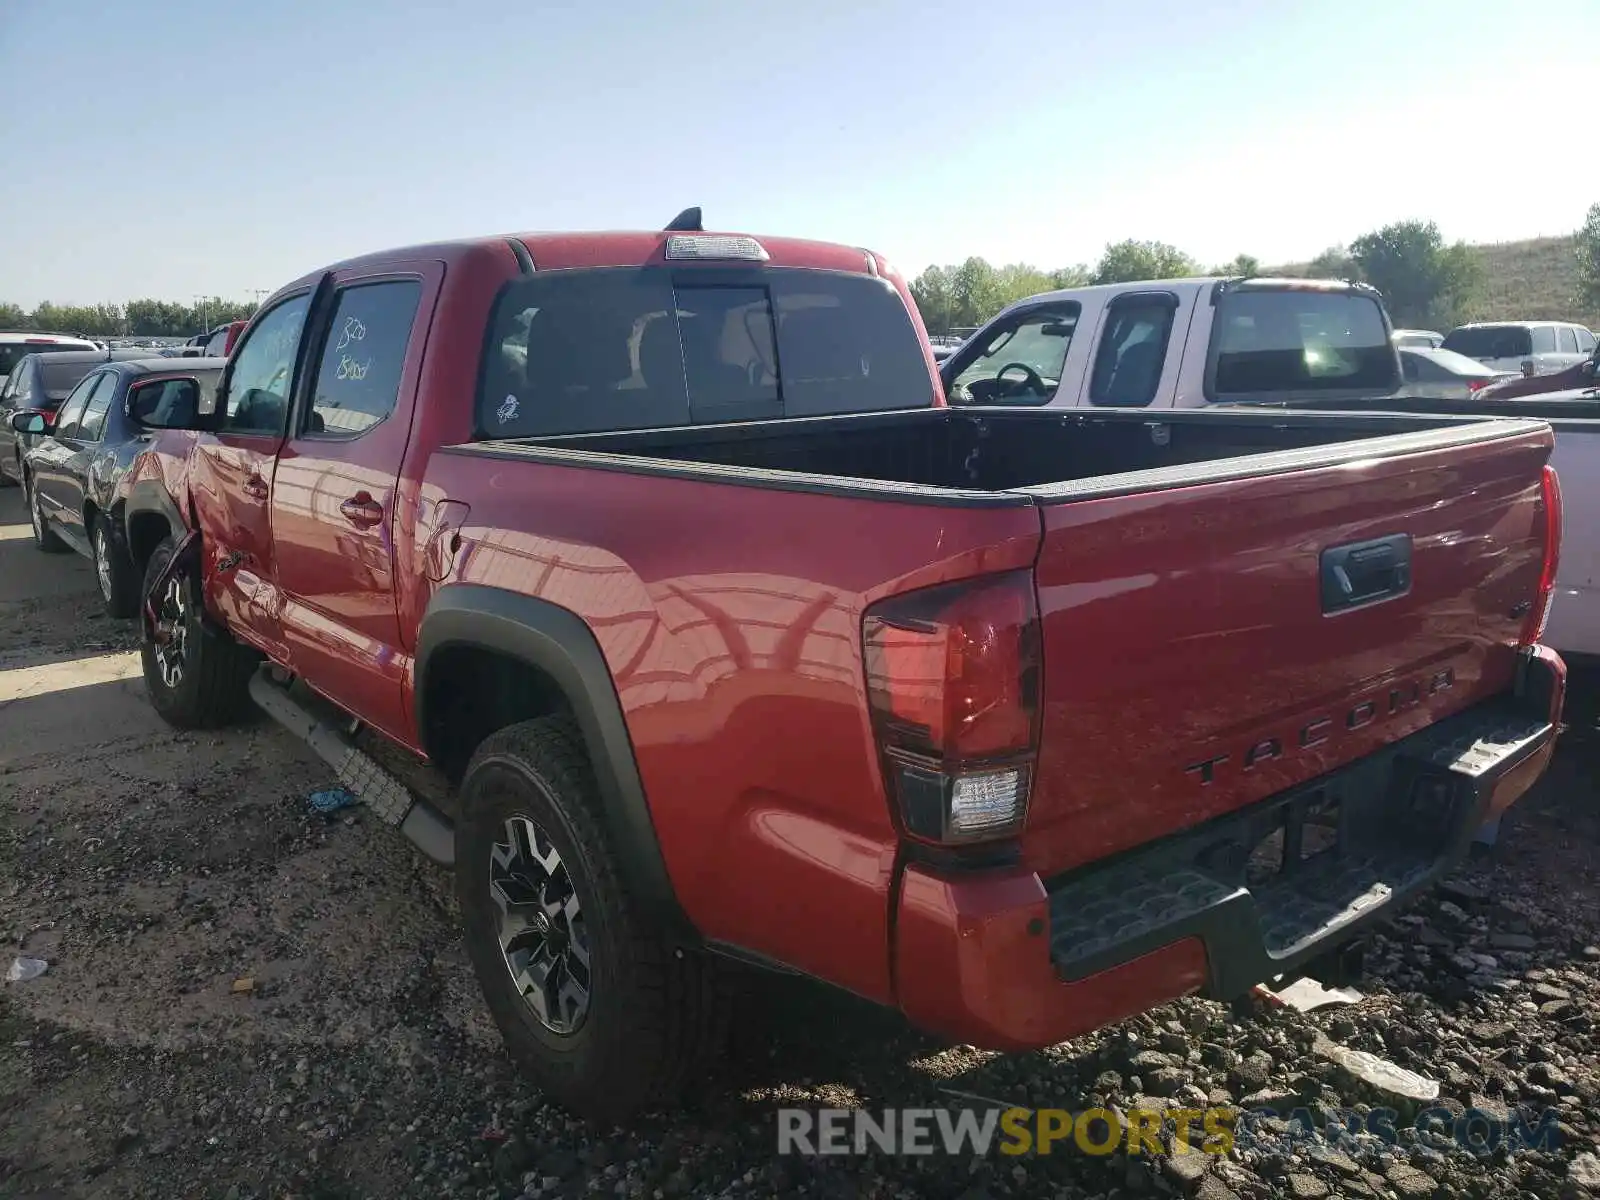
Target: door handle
x=255, y=487
x=362, y=510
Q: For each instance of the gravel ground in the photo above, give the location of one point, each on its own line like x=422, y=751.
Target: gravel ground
x=248, y=1000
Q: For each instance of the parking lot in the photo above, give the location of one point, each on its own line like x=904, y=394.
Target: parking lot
x=247, y=999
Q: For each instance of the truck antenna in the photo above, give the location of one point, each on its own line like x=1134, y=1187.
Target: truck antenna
x=688, y=221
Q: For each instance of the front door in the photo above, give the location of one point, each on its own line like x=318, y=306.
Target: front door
x=49, y=466
x=333, y=501
x=231, y=473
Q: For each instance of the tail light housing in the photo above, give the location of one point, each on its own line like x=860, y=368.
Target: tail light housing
x=953, y=675
x=1539, y=614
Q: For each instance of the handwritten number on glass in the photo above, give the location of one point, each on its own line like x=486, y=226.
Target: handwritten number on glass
x=349, y=367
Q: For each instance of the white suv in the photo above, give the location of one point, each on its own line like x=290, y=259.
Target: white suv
x=1523, y=347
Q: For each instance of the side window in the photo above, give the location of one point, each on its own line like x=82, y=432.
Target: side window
x=358, y=379
x=1019, y=360
x=17, y=389
x=170, y=403
x=1410, y=367
x=1128, y=361
x=68, y=422
x=262, y=374
x=93, y=422
x=1567, y=339
x=1586, y=342
x=23, y=396
x=1544, y=339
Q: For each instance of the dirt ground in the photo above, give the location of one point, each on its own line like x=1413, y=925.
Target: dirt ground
x=245, y=999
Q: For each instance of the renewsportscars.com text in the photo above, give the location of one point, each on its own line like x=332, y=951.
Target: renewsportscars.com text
x=1101, y=1131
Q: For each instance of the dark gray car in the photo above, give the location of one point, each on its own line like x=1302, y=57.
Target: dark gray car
x=73, y=471
x=39, y=383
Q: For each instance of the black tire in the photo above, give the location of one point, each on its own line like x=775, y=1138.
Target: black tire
x=43, y=536
x=653, y=1018
x=203, y=683
x=114, y=571
x=6, y=480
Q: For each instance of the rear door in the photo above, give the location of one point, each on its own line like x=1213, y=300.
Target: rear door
x=1545, y=356
x=1193, y=666
x=1138, y=347
x=10, y=459
x=231, y=471
x=333, y=498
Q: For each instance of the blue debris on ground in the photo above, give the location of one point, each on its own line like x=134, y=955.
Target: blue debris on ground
x=332, y=800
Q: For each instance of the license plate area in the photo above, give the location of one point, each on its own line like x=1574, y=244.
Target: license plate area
x=1294, y=836
x=1304, y=831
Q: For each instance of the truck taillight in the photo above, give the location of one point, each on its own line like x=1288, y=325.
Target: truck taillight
x=1550, y=501
x=953, y=680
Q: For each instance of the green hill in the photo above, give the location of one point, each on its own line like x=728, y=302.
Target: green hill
x=1533, y=280
x=1529, y=280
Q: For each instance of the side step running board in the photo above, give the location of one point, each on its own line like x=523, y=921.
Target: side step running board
x=430, y=830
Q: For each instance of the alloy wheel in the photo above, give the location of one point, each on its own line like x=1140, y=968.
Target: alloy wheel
x=172, y=632
x=102, y=563
x=543, y=939
x=35, y=513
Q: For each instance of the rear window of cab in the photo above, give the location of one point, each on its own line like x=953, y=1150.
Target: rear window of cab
x=585, y=351
x=1271, y=340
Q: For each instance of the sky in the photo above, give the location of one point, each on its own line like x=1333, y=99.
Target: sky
x=170, y=149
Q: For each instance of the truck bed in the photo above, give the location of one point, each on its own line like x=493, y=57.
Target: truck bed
x=1002, y=455
x=1193, y=665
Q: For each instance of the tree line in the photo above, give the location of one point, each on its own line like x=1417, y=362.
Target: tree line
x=1426, y=282
x=136, y=318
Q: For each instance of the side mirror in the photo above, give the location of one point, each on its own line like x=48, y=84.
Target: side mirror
x=1527, y=368
x=28, y=422
x=1588, y=368
x=167, y=404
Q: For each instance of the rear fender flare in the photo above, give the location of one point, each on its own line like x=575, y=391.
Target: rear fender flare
x=557, y=642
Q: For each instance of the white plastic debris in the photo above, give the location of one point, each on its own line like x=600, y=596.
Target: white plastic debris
x=1380, y=1073
x=1307, y=995
x=24, y=969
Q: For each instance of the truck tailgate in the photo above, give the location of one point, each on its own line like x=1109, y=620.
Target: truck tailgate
x=1192, y=665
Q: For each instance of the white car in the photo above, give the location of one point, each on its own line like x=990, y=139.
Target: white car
x=13, y=345
x=1523, y=347
x=1419, y=339
x=1444, y=373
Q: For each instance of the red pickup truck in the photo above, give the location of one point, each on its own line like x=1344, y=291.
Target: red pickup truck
x=736, y=642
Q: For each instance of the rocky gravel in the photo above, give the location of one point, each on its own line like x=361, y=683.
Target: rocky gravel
x=245, y=999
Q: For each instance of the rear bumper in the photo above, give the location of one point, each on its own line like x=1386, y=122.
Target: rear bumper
x=1004, y=960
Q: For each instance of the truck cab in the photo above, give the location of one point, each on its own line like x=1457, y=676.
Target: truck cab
x=1180, y=343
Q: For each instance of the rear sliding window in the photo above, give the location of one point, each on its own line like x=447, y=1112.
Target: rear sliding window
x=1491, y=341
x=589, y=351
x=1299, y=341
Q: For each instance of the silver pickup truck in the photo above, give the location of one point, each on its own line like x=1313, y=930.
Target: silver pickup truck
x=1189, y=343
x=1180, y=343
